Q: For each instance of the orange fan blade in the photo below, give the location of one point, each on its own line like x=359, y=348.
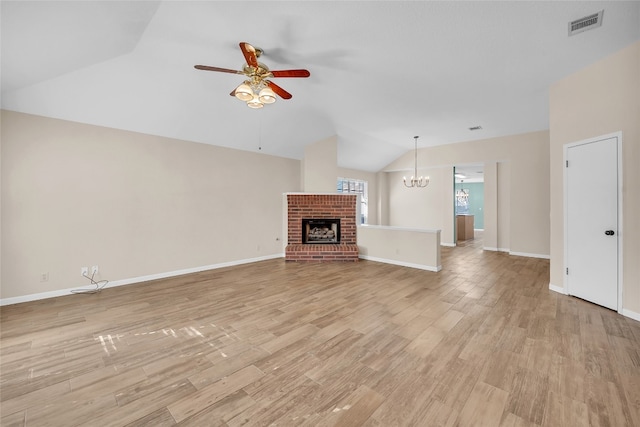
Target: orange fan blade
x=222, y=70
x=290, y=73
x=278, y=90
x=249, y=53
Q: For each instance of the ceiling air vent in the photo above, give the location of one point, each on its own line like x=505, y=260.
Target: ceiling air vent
x=586, y=23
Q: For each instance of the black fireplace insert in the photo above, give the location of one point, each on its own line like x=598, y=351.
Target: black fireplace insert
x=321, y=231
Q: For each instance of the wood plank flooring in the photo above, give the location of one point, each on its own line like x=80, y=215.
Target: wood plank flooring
x=483, y=342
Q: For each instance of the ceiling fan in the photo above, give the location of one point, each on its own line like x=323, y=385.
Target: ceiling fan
x=257, y=90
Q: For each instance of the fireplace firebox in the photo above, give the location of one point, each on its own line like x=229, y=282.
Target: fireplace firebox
x=321, y=231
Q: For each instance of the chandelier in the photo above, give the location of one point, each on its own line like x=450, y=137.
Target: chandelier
x=255, y=93
x=416, y=181
x=462, y=195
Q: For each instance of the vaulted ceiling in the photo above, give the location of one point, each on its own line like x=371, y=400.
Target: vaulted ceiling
x=381, y=71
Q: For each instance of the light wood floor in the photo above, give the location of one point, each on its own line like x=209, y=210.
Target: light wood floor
x=483, y=342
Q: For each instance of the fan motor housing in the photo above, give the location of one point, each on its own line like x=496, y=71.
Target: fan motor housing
x=261, y=71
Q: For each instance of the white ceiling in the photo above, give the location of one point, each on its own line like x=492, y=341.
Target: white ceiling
x=469, y=173
x=381, y=71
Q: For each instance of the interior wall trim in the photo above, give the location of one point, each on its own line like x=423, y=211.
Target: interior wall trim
x=558, y=289
x=134, y=280
x=543, y=256
x=631, y=314
x=402, y=263
x=490, y=248
x=625, y=312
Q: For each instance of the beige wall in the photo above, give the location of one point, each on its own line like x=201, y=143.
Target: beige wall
x=383, y=199
x=1, y=204
x=423, y=208
x=497, y=206
x=598, y=100
x=503, y=220
x=78, y=195
x=527, y=155
x=416, y=248
x=372, y=183
x=490, y=235
x=320, y=166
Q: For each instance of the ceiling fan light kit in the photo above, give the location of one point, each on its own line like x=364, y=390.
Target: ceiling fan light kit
x=255, y=94
x=257, y=91
x=244, y=92
x=255, y=103
x=267, y=96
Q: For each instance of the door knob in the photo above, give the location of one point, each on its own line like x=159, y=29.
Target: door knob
x=609, y=232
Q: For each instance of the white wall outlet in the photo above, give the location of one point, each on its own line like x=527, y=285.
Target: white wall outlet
x=94, y=269
x=84, y=271
x=44, y=277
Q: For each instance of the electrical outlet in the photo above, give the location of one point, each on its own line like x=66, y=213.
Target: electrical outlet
x=44, y=277
x=94, y=269
x=84, y=271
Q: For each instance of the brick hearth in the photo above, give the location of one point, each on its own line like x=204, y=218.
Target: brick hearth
x=321, y=206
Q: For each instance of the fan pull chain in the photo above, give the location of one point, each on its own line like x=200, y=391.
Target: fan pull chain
x=260, y=131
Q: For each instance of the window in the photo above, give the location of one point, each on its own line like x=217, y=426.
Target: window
x=346, y=185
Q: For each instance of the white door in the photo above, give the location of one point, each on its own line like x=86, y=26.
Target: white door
x=591, y=172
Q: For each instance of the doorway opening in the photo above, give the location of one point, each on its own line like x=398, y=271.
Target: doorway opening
x=469, y=202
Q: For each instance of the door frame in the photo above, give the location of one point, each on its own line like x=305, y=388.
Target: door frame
x=619, y=232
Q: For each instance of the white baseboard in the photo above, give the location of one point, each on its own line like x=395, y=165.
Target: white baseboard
x=525, y=254
x=530, y=255
x=62, y=292
x=631, y=314
x=489, y=248
x=134, y=280
x=402, y=263
x=558, y=289
x=449, y=245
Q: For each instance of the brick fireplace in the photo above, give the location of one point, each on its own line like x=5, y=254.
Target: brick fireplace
x=322, y=209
